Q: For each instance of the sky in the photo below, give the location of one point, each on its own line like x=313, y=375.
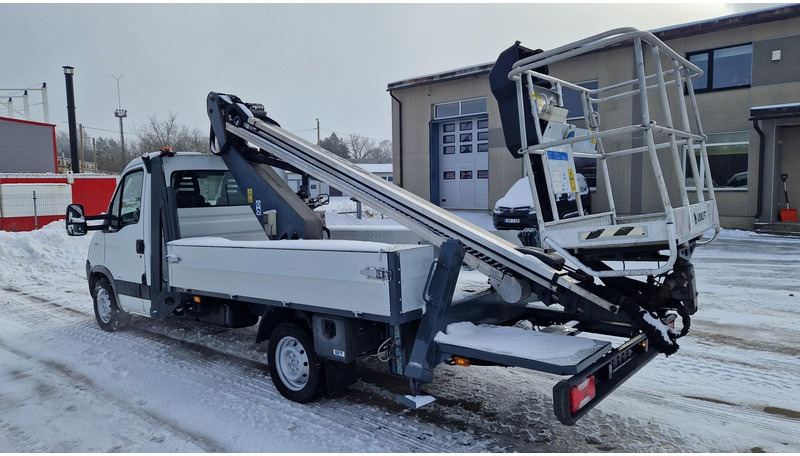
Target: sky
x=330, y=62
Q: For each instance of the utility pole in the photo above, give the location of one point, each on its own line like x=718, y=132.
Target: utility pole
x=94, y=155
x=83, y=150
x=120, y=113
x=318, y=141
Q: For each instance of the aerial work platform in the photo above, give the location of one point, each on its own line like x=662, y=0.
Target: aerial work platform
x=535, y=123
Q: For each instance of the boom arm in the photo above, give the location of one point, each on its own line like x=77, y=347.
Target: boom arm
x=513, y=272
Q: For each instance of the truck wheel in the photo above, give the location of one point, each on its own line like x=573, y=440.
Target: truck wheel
x=293, y=364
x=108, y=314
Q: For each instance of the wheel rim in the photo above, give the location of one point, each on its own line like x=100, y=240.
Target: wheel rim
x=103, y=305
x=292, y=363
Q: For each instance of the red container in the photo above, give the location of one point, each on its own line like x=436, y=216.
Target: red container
x=788, y=215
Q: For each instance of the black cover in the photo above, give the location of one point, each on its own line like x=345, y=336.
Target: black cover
x=505, y=92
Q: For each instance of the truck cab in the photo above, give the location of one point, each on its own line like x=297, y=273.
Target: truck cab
x=209, y=203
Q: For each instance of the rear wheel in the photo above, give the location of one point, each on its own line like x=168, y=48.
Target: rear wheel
x=293, y=365
x=108, y=314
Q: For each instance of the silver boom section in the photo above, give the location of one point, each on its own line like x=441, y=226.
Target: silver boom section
x=489, y=254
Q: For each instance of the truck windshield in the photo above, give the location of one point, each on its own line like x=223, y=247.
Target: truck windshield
x=206, y=188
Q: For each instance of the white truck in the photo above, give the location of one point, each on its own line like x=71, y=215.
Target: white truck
x=223, y=239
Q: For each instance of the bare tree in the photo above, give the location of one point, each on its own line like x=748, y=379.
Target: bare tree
x=360, y=147
x=382, y=153
x=156, y=134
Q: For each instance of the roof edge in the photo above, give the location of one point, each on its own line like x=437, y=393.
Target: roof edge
x=29, y=122
x=775, y=111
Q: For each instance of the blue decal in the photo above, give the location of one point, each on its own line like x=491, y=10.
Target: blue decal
x=553, y=155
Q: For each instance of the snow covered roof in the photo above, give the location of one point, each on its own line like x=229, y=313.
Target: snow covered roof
x=775, y=111
x=52, y=176
x=449, y=75
x=376, y=168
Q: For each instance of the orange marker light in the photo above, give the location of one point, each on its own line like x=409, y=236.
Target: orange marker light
x=459, y=361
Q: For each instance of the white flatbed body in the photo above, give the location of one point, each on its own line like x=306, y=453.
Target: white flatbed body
x=362, y=278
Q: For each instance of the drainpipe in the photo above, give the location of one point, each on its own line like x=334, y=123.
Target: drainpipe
x=761, y=140
x=400, y=128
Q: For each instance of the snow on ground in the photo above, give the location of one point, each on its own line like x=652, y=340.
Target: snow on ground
x=179, y=385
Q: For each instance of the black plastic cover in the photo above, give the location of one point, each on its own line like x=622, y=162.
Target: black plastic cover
x=505, y=92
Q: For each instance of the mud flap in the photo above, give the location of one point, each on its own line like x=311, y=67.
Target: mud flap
x=339, y=376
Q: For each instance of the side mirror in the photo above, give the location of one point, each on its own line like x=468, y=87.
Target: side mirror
x=76, y=220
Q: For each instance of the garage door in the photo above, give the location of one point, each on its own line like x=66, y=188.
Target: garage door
x=464, y=163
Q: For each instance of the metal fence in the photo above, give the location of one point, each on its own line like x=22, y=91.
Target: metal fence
x=23, y=211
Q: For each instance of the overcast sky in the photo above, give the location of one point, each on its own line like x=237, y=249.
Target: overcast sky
x=326, y=61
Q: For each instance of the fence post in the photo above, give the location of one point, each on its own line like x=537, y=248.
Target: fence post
x=35, y=213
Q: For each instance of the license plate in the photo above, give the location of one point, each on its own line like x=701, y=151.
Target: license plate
x=514, y=220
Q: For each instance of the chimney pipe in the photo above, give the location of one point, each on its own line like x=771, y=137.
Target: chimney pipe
x=73, y=135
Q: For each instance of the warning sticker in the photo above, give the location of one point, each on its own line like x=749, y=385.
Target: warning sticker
x=562, y=172
x=249, y=195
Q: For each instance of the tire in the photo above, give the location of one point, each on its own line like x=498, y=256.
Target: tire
x=293, y=364
x=108, y=314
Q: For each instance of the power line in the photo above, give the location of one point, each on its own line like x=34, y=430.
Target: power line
x=348, y=134
x=104, y=129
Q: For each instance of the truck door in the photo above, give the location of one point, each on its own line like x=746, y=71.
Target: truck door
x=124, y=242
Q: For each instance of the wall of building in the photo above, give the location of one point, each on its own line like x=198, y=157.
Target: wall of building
x=722, y=111
x=418, y=105
x=27, y=147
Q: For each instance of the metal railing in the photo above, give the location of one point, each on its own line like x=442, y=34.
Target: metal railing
x=658, y=132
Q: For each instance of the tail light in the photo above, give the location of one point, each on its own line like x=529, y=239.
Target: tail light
x=581, y=394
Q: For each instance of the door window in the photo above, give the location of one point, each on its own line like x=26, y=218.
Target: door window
x=127, y=203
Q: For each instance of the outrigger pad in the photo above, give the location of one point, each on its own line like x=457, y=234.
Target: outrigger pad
x=415, y=402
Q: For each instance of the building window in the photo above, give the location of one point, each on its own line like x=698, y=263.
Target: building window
x=572, y=99
x=460, y=108
x=723, y=68
x=727, y=155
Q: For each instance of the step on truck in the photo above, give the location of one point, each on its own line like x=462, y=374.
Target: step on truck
x=223, y=239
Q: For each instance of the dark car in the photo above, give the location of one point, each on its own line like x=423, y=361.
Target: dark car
x=516, y=211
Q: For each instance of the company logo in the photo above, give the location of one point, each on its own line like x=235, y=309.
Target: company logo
x=700, y=216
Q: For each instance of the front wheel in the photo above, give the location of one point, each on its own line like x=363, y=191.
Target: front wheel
x=293, y=365
x=108, y=314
